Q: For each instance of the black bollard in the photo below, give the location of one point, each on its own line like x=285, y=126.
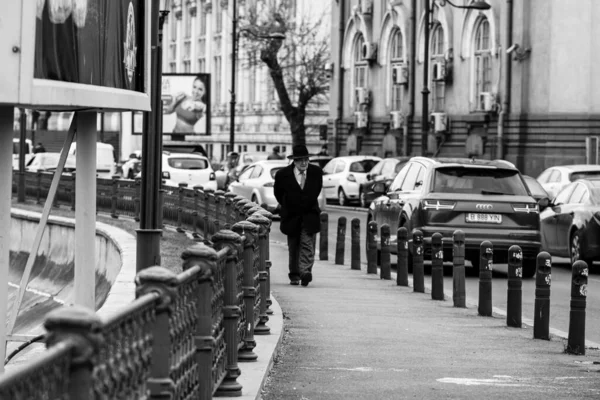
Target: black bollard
x=486, y=255
x=385, y=268
x=355, y=242
x=437, y=267
x=541, y=314
x=514, y=304
x=324, y=237
x=372, y=248
x=402, y=249
x=340, y=244
x=459, y=292
x=576, y=342
x=417, y=256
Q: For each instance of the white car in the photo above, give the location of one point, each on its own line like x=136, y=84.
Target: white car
x=257, y=181
x=553, y=179
x=192, y=169
x=343, y=176
x=48, y=161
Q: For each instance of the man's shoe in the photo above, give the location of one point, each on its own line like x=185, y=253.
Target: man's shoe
x=295, y=282
x=306, y=278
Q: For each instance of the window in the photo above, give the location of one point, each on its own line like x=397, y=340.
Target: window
x=388, y=169
x=218, y=78
x=543, y=178
x=478, y=181
x=578, y=194
x=187, y=163
x=397, y=59
x=328, y=169
x=339, y=167
x=360, y=65
x=411, y=178
x=438, y=88
x=483, y=62
x=218, y=16
x=397, y=183
x=564, y=194
x=246, y=174
x=377, y=169
x=257, y=172
x=555, y=176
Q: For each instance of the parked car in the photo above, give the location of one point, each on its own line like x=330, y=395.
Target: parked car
x=320, y=160
x=487, y=200
x=553, y=179
x=384, y=171
x=106, y=167
x=189, y=168
x=48, y=162
x=343, y=176
x=257, y=181
x=570, y=226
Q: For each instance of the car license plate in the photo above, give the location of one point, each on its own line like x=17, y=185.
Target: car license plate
x=484, y=218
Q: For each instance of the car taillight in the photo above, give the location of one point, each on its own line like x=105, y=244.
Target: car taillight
x=212, y=177
x=526, y=208
x=269, y=184
x=438, y=205
x=351, y=178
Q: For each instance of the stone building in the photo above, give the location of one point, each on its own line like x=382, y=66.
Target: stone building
x=516, y=81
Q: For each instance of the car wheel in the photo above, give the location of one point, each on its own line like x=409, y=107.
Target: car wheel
x=575, y=250
x=342, y=199
x=363, y=199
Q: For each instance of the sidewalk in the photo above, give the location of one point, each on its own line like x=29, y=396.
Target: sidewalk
x=349, y=335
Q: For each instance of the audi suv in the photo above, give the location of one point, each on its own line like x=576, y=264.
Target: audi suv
x=486, y=199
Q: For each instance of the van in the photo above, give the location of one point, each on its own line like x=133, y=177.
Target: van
x=15, y=152
x=106, y=166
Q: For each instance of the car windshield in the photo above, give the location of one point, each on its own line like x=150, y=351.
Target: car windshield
x=585, y=175
x=187, y=163
x=274, y=171
x=478, y=181
x=252, y=157
x=363, y=166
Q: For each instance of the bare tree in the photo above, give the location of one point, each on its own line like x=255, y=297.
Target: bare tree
x=296, y=63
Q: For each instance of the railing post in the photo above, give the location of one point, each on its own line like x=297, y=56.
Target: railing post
x=340, y=244
x=514, y=295
x=180, y=192
x=206, y=258
x=541, y=313
x=371, y=248
x=402, y=250
x=459, y=295
x=137, y=198
x=229, y=202
x=385, y=271
x=486, y=255
x=418, y=268
x=324, y=237
x=231, y=310
x=437, y=267
x=576, y=342
x=268, y=215
x=263, y=224
x=114, y=196
x=164, y=282
x=196, y=212
x=249, y=231
x=355, y=242
x=83, y=324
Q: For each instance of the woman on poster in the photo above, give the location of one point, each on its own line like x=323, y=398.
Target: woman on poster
x=189, y=109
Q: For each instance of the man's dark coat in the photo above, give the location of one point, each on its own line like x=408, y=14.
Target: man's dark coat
x=299, y=206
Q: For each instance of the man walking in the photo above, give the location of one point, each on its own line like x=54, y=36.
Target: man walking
x=297, y=188
x=275, y=154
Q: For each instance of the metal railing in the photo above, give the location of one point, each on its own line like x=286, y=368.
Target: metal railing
x=184, y=334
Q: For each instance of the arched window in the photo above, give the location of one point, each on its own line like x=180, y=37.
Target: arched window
x=482, y=62
x=438, y=86
x=360, y=65
x=396, y=52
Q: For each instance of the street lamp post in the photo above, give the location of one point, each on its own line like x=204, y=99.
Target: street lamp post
x=477, y=5
x=235, y=38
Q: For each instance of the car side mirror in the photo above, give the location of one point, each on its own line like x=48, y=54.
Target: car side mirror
x=543, y=203
x=166, y=175
x=368, y=177
x=418, y=184
x=379, y=188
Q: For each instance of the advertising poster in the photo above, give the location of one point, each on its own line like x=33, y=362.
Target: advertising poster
x=95, y=42
x=186, y=104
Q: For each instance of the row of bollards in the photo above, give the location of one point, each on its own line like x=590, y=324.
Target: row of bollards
x=413, y=258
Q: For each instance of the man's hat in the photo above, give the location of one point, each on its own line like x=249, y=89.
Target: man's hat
x=299, y=151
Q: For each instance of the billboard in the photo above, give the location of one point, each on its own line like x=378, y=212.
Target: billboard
x=186, y=104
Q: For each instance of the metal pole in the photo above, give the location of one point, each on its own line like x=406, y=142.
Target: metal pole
x=234, y=49
x=425, y=91
x=22, y=144
x=6, y=125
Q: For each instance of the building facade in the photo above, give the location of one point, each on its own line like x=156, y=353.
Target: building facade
x=515, y=81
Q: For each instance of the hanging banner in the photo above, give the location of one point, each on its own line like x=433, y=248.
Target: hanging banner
x=186, y=104
x=95, y=42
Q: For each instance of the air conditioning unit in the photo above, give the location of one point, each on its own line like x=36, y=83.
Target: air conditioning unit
x=396, y=120
x=399, y=74
x=362, y=95
x=366, y=6
x=369, y=51
x=438, y=71
x=487, y=101
x=362, y=119
x=439, y=121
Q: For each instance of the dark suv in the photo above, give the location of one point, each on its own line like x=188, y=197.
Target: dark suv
x=488, y=200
